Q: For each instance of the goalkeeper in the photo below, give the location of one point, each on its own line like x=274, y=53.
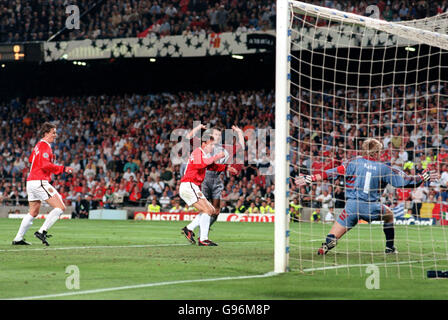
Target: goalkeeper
x=365, y=176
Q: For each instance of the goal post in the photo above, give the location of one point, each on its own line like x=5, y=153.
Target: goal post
x=281, y=237
x=339, y=74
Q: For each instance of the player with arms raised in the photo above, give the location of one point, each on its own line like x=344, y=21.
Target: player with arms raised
x=38, y=187
x=213, y=185
x=365, y=177
x=189, y=189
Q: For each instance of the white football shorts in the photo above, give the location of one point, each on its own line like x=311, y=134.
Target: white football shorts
x=40, y=190
x=190, y=193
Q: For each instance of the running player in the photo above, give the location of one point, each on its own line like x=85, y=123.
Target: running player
x=213, y=184
x=365, y=177
x=38, y=187
x=189, y=189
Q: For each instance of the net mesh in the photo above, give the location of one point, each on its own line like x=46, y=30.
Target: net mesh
x=353, y=78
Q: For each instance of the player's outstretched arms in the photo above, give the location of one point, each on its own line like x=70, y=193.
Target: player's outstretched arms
x=400, y=180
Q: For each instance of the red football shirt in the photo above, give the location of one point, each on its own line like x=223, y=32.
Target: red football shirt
x=42, y=165
x=230, y=148
x=197, y=166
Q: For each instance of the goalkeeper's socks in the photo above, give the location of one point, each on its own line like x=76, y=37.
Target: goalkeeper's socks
x=389, y=232
x=213, y=219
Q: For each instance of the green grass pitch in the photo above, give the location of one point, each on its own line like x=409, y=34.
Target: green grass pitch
x=152, y=260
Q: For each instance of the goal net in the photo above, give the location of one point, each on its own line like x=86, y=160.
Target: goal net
x=343, y=78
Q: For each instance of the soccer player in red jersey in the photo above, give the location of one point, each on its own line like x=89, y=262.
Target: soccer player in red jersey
x=38, y=187
x=189, y=189
x=213, y=185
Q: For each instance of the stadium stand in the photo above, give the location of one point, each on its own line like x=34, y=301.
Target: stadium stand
x=120, y=145
x=40, y=20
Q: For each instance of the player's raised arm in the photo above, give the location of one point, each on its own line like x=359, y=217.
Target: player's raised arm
x=399, y=179
x=199, y=160
x=192, y=133
x=240, y=135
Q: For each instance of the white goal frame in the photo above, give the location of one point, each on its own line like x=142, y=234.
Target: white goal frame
x=418, y=31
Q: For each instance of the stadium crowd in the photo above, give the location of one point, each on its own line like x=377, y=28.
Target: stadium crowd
x=120, y=146
x=25, y=20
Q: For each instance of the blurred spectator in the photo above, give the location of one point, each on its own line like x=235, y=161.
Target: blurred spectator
x=315, y=215
x=165, y=201
x=175, y=206
x=108, y=200
x=135, y=194
x=265, y=207
x=128, y=174
x=339, y=198
x=83, y=206
x=240, y=207
x=295, y=209
x=329, y=216
x=326, y=200
x=418, y=196
x=130, y=166
x=154, y=206
x=226, y=207
x=253, y=208
x=158, y=186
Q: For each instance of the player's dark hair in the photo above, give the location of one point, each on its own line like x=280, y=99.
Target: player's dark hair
x=45, y=128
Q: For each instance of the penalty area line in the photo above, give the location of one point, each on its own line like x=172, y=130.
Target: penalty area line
x=139, y=286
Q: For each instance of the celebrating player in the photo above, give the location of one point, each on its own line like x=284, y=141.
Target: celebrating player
x=39, y=188
x=189, y=189
x=213, y=185
x=365, y=176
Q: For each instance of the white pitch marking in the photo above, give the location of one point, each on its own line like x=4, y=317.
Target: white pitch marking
x=113, y=247
x=97, y=247
x=138, y=286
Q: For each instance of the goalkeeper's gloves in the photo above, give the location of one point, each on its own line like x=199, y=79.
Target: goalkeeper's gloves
x=309, y=179
x=302, y=180
x=428, y=175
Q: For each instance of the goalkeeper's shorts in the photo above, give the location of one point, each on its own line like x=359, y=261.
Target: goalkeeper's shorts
x=355, y=210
